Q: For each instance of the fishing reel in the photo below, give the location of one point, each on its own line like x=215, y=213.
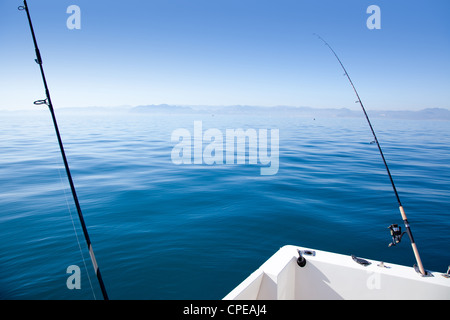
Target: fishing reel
x=396, y=233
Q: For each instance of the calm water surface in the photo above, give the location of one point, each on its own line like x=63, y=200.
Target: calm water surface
x=166, y=231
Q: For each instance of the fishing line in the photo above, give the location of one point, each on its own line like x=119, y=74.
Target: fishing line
x=76, y=233
x=396, y=237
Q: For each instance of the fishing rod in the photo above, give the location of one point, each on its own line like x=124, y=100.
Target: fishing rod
x=395, y=229
x=48, y=102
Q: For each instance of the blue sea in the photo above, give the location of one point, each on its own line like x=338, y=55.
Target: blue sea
x=194, y=231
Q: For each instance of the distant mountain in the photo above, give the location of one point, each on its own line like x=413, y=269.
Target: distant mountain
x=162, y=108
x=425, y=114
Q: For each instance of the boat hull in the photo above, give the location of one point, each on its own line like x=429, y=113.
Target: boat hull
x=331, y=276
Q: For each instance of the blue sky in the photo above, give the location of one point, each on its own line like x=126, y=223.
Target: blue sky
x=226, y=52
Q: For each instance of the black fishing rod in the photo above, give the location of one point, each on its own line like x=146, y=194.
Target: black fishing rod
x=395, y=230
x=48, y=102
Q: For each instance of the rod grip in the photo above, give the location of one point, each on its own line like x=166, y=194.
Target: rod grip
x=402, y=212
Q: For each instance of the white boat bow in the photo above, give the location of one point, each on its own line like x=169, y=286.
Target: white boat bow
x=327, y=275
